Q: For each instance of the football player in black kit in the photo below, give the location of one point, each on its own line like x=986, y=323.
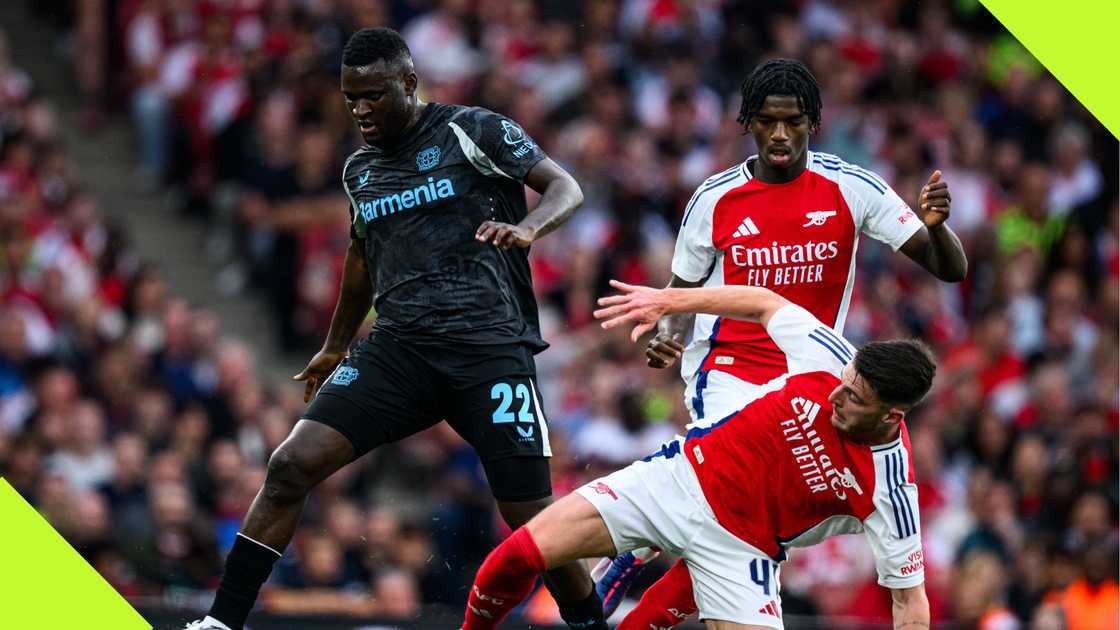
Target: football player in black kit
x=440, y=235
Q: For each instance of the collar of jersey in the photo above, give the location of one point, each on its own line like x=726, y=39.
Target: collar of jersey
x=756, y=180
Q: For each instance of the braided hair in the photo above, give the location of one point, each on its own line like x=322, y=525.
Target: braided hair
x=781, y=77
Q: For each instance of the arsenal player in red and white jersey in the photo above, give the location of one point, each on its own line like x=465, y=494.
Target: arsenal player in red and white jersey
x=827, y=453
x=790, y=220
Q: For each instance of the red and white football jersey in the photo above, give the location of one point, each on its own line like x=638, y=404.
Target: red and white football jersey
x=778, y=474
x=798, y=239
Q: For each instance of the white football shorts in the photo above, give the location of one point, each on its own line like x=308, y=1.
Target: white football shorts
x=711, y=396
x=658, y=502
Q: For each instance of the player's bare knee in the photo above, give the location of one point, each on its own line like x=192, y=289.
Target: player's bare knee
x=289, y=476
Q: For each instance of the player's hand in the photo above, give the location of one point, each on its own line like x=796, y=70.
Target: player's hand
x=663, y=350
x=318, y=369
x=934, y=200
x=644, y=305
x=504, y=235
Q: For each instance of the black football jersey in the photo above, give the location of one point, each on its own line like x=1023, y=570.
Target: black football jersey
x=416, y=208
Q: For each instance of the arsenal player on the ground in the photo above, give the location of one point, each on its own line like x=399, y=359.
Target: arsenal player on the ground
x=826, y=453
x=787, y=219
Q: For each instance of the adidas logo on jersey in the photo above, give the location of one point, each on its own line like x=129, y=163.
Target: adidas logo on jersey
x=746, y=228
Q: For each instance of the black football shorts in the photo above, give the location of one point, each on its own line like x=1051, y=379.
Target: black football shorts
x=389, y=389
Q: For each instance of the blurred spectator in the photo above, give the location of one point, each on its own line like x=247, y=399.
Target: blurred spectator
x=1032, y=223
x=83, y=460
x=1092, y=601
x=979, y=597
x=1077, y=179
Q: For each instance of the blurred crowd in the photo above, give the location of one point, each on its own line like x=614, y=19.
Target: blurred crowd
x=142, y=434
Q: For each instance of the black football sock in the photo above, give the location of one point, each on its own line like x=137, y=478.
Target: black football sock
x=247, y=567
x=586, y=615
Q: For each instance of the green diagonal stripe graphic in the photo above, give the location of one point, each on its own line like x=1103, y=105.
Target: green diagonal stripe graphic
x=1076, y=41
x=45, y=584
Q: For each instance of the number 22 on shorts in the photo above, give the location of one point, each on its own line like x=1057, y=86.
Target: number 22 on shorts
x=505, y=393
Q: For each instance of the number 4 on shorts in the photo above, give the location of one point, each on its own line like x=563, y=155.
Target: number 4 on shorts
x=506, y=393
x=760, y=574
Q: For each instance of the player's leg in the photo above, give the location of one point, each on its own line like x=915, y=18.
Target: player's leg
x=310, y=454
x=558, y=536
x=570, y=584
x=371, y=399
x=612, y=514
x=665, y=604
x=496, y=406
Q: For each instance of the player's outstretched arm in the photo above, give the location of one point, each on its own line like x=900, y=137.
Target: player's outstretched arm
x=355, y=296
x=645, y=305
x=910, y=608
x=937, y=248
x=560, y=196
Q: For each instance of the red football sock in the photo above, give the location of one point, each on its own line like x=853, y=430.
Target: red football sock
x=665, y=604
x=503, y=580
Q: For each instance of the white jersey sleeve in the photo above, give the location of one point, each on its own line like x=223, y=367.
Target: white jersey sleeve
x=893, y=529
x=876, y=208
x=695, y=254
x=809, y=345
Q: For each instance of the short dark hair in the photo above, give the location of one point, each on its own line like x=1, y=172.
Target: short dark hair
x=371, y=45
x=781, y=77
x=900, y=371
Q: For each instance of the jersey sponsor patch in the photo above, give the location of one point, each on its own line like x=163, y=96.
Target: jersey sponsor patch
x=428, y=158
x=515, y=137
x=810, y=454
x=344, y=375
x=915, y=563
x=421, y=195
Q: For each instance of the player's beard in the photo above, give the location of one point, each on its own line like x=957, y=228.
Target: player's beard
x=397, y=123
x=867, y=433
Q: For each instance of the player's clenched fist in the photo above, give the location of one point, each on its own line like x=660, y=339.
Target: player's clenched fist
x=934, y=200
x=643, y=305
x=318, y=369
x=504, y=235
